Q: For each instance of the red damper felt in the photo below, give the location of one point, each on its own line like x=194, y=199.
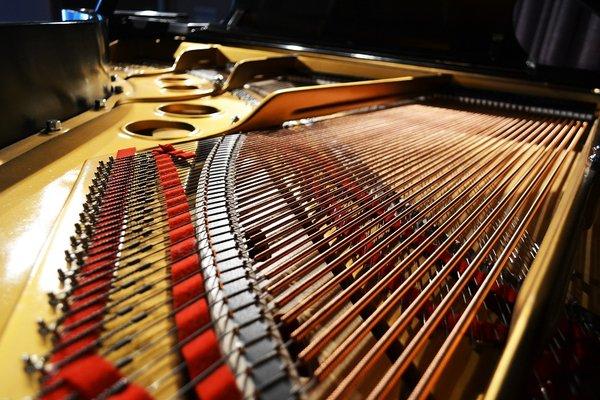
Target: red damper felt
x=176, y=191
x=132, y=392
x=201, y=352
x=60, y=393
x=187, y=290
x=176, y=221
x=183, y=232
x=181, y=208
x=126, y=152
x=167, y=148
x=90, y=375
x=170, y=183
x=182, y=249
x=192, y=318
x=220, y=384
x=185, y=267
x=160, y=155
x=175, y=201
x=167, y=172
x=167, y=176
x=165, y=162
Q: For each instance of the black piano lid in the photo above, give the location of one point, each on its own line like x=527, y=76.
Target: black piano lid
x=542, y=40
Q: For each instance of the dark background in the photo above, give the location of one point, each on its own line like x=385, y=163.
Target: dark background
x=49, y=10
x=499, y=34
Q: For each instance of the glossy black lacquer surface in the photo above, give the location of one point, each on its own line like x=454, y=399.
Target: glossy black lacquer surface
x=48, y=71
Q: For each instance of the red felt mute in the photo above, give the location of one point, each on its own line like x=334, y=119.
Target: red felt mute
x=185, y=267
x=187, y=290
x=182, y=249
x=201, y=352
x=192, y=318
x=178, y=220
x=90, y=375
x=178, y=209
x=183, y=232
x=220, y=384
x=173, y=201
x=176, y=191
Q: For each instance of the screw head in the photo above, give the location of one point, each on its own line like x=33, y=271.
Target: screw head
x=99, y=104
x=33, y=363
x=44, y=328
x=53, y=125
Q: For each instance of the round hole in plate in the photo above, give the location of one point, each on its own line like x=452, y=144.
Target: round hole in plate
x=181, y=87
x=173, y=79
x=188, y=110
x=160, y=129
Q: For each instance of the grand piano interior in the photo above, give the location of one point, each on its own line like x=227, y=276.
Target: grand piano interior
x=301, y=199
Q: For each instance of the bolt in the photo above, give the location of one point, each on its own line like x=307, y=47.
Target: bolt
x=45, y=328
x=33, y=363
x=53, y=125
x=118, y=89
x=99, y=104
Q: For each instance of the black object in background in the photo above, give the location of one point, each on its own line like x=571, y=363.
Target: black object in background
x=51, y=71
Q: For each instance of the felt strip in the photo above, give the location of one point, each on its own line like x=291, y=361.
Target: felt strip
x=128, y=152
x=220, y=384
x=176, y=221
x=182, y=249
x=183, y=232
x=90, y=375
x=171, y=183
x=201, y=352
x=175, y=201
x=178, y=209
x=187, y=290
x=176, y=191
x=185, y=267
x=166, y=176
x=192, y=318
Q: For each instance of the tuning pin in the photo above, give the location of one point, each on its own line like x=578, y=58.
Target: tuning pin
x=99, y=182
x=33, y=363
x=62, y=275
x=79, y=256
x=68, y=257
x=44, y=328
x=54, y=299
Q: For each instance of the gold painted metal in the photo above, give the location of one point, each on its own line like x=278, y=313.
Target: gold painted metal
x=298, y=103
x=261, y=68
